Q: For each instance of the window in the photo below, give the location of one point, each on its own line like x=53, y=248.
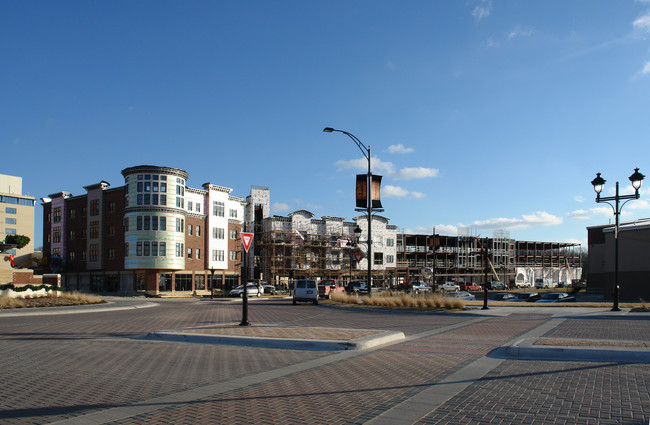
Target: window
x=138, y=221
x=111, y=206
x=154, y=249
x=233, y=255
x=147, y=222
x=199, y=281
x=126, y=249
x=217, y=233
x=71, y=256
x=218, y=209
x=189, y=205
x=71, y=235
x=72, y=213
x=379, y=258
x=111, y=253
x=9, y=220
x=154, y=222
x=189, y=253
x=9, y=210
x=56, y=215
x=138, y=249
x=217, y=255
x=183, y=282
x=94, y=207
x=56, y=252
x=163, y=223
x=56, y=235
x=93, y=252
x=198, y=230
x=126, y=224
x=94, y=230
x=180, y=224
x=10, y=231
x=179, y=249
x=390, y=242
x=111, y=230
x=189, y=229
x=390, y=259
x=162, y=249
x=233, y=234
x=233, y=213
x=198, y=207
x=147, y=248
x=198, y=254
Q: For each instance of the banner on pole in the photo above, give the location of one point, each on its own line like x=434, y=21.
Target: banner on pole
x=362, y=194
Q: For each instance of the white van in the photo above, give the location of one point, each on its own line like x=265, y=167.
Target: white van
x=305, y=290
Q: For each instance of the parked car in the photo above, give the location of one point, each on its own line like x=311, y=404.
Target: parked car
x=357, y=288
x=305, y=290
x=525, y=297
x=496, y=285
x=501, y=296
x=420, y=288
x=471, y=286
x=462, y=295
x=269, y=289
x=252, y=289
x=556, y=297
x=449, y=287
x=327, y=287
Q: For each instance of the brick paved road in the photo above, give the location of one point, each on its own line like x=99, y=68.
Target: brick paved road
x=99, y=368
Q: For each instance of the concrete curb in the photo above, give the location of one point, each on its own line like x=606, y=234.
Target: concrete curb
x=526, y=349
x=363, y=343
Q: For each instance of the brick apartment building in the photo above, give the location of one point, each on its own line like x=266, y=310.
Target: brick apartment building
x=154, y=235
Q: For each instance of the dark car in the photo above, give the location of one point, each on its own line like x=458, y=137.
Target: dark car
x=525, y=297
x=357, y=288
x=497, y=285
x=501, y=296
x=556, y=297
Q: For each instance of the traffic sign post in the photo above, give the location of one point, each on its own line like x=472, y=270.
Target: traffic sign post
x=358, y=256
x=246, y=239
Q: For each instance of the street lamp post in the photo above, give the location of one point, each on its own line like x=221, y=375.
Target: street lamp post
x=366, y=152
x=212, y=283
x=599, y=183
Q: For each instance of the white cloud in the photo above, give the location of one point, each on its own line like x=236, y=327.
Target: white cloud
x=580, y=214
x=579, y=198
x=646, y=69
x=482, y=11
x=279, y=207
x=540, y=218
x=518, y=31
x=399, y=148
x=416, y=173
x=446, y=229
x=361, y=164
x=390, y=191
x=387, y=169
x=642, y=23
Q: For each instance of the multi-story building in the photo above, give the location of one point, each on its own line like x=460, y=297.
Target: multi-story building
x=154, y=235
x=16, y=213
x=436, y=258
x=300, y=246
x=634, y=260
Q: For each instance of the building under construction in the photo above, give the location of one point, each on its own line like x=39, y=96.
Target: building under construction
x=438, y=258
x=300, y=246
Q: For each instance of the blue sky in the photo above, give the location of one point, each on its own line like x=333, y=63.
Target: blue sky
x=480, y=114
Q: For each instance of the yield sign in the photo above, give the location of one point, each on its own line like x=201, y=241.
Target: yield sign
x=246, y=239
x=358, y=256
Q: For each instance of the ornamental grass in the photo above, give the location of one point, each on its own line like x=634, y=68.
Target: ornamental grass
x=402, y=300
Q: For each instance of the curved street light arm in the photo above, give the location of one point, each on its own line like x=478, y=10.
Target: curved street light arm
x=363, y=148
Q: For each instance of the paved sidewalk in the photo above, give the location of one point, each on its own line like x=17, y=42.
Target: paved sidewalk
x=108, y=366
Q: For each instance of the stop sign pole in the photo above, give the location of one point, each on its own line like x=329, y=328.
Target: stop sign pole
x=246, y=239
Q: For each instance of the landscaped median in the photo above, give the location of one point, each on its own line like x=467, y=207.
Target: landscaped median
x=52, y=299
x=400, y=300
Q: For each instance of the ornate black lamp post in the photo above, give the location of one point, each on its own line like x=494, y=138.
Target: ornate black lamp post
x=599, y=184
